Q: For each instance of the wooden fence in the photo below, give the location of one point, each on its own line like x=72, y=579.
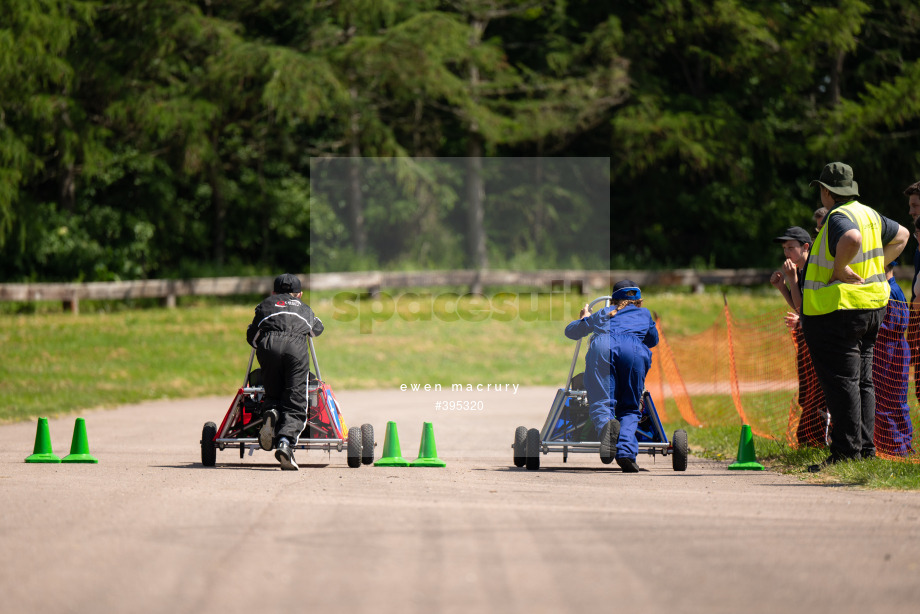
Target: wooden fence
x=70, y=294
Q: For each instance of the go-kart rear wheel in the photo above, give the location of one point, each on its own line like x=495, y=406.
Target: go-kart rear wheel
x=681, y=450
x=367, y=443
x=533, y=449
x=208, y=447
x=520, y=446
x=355, y=450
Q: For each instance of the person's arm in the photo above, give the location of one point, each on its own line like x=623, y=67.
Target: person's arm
x=253, y=329
x=651, y=335
x=795, y=297
x=579, y=328
x=848, y=248
x=791, y=273
x=894, y=248
x=778, y=282
x=318, y=327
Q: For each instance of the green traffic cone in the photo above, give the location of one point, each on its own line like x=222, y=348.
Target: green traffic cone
x=427, y=450
x=79, y=447
x=746, y=457
x=42, y=452
x=392, y=456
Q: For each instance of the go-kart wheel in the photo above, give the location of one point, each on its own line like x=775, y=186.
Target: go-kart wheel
x=520, y=446
x=367, y=443
x=533, y=450
x=355, y=450
x=681, y=450
x=208, y=447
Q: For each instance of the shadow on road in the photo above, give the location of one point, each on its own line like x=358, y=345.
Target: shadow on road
x=818, y=484
x=675, y=474
x=251, y=466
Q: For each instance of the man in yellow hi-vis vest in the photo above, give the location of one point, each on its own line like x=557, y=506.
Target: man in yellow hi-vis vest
x=843, y=304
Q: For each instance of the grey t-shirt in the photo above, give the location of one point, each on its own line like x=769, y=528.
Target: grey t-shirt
x=839, y=225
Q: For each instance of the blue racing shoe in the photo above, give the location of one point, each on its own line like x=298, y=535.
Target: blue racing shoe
x=609, y=436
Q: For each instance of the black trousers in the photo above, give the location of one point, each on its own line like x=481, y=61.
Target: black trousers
x=285, y=368
x=812, y=429
x=841, y=344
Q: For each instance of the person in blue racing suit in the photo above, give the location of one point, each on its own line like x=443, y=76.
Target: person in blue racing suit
x=891, y=374
x=616, y=364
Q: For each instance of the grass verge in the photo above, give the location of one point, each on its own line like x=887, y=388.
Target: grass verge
x=721, y=443
x=56, y=363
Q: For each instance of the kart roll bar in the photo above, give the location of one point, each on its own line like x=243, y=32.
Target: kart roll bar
x=568, y=381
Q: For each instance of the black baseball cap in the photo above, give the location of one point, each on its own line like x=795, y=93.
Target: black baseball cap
x=287, y=284
x=838, y=178
x=795, y=233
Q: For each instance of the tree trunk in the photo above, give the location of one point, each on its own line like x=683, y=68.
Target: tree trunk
x=475, y=195
x=355, y=199
x=266, y=206
x=836, y=76
x=475, y=188
x=68, y=188
x=68, y=174
x=219, y=204
x=539, y=219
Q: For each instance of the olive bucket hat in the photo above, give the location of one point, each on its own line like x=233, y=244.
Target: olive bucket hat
x=838, y=178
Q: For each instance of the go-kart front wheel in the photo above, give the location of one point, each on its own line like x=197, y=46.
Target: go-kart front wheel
x=208, y=447
x=533, y=449
x=367, y=444
x=355, y=449
x=681, y=450
x=520, y=446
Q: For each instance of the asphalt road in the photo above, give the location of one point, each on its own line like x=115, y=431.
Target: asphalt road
x=149, y=529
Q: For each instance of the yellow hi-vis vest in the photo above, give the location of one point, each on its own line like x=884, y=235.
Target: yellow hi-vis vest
x=820, y=297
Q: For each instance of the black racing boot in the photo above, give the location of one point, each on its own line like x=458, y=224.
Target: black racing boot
x=285, y=456
x=833, y=459
x=267, y=432
x=628, y=465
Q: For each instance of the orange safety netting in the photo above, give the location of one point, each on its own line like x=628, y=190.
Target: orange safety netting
x=758, y=371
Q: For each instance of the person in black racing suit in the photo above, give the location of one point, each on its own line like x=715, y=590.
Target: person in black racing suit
x=279, y=333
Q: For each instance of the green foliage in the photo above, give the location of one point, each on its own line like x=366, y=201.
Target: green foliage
x=102, y=240
x=39, y=121
x=195, y=125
